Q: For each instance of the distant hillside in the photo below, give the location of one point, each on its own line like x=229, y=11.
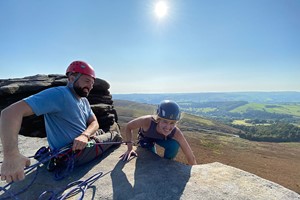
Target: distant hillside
x=253, y=121
x=232, y=110
x=128, y=110
x=278, y=162
x=283, y=109
x=259, y=97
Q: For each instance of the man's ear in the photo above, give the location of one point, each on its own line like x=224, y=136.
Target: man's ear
x=71, y=77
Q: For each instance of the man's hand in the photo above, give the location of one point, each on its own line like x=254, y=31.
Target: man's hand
x=80, y=142
x=12, y=168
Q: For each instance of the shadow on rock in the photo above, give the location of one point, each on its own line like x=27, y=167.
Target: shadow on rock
x=154, y=178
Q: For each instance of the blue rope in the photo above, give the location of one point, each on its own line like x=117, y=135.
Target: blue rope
x=43, y=159
x=46, y=155
x=62, y=173
x=14, y=196
x=76, y=187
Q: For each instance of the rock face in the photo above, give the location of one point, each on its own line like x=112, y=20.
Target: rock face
x=13, y=90
x=147, y=177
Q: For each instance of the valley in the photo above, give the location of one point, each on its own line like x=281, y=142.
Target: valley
x=213, y=141
x=259, y=116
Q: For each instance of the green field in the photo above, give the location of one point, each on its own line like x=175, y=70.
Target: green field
x=288, y=109
x=244, y=123
x=241, y=122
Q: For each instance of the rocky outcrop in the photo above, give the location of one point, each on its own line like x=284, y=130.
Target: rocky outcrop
x=13, y=90
x=147, y=177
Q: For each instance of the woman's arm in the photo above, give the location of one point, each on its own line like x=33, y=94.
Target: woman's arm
x=184, y=145
x=140, y=122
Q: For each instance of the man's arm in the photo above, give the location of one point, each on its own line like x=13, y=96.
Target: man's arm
x=93, y=126
x=81, y=141
x=11, y=118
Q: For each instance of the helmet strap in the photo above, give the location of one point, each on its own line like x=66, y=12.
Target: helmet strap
x=77, y=77
x=71, y=85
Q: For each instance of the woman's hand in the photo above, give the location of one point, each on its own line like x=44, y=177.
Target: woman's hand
x=128, y=154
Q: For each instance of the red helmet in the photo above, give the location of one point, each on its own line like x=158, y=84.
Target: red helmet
x=81, y=67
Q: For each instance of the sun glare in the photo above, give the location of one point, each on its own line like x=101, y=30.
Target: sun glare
x=161, y=9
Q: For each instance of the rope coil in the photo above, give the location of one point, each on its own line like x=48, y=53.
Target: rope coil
x=44, y=155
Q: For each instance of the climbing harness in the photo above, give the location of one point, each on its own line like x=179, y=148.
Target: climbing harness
x=44, y=155
x=145, y=142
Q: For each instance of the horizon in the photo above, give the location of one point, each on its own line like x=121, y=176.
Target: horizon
x=208, y=92
x=196, y=92
x=157, y=46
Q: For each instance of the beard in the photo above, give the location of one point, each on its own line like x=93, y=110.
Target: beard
x=80, y=91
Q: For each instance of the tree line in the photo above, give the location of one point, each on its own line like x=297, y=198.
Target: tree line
x=277, y=132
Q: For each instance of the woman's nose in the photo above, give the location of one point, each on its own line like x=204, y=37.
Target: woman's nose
x=169, y=126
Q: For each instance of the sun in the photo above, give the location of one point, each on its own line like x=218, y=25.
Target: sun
x=161, y=9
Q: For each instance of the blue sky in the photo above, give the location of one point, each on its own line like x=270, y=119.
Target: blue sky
x=198, y=46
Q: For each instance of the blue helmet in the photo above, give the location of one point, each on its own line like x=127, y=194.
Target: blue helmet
x=168, y=109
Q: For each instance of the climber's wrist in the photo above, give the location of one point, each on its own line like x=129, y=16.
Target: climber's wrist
x=86, y=135
x=129, y=145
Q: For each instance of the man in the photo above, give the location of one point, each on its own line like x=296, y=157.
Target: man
x=68, y=116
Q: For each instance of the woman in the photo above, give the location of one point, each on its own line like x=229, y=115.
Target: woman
x=160, y=129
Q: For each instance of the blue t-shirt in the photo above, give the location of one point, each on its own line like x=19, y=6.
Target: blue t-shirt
x=65, y=115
